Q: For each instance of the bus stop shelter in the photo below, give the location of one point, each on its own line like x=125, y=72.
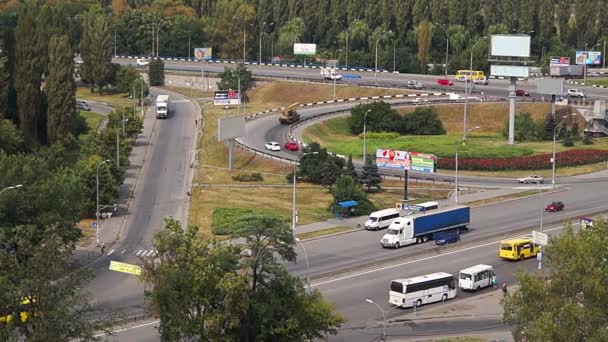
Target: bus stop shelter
x=345, y=207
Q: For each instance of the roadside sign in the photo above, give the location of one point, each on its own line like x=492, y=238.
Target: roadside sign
x=226, y=97
x=411, y=161
x=540, y=238
x=125, y=268
x=203, y=53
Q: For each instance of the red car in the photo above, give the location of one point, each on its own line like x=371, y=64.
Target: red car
x=443, y=81
x=521, y=92
x=291, y=146
x=554, y=206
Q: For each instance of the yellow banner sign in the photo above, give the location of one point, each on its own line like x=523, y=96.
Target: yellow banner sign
x=125, y=268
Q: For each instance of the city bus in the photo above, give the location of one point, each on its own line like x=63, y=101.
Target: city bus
x=416, y=291
x=518, y=249
x=463, y=75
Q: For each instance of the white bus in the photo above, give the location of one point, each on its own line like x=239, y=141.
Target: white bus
x=430, y=288
x=381, y=219
x=476, y=277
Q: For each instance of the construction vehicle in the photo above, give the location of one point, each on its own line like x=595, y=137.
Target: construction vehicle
x=289, y=115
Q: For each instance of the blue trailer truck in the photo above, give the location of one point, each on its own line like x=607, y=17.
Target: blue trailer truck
x=420, y=227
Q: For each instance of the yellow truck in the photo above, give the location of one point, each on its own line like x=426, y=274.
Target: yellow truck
x=290, y=115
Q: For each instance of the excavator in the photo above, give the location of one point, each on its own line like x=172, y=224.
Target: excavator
x=289, y=115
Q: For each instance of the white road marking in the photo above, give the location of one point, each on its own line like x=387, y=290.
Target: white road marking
x=140, y=252
x=110, y=252
x=123, y=251
x=427, y=258
x=129, y=328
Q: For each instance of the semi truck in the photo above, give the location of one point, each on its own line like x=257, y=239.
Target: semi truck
x=162, y=106
x=567, y=71
x=289, y=115
x=420, y=227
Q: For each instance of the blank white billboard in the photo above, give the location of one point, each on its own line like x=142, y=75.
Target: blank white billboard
x=510, y=45
x=550, y=86
x=509, y=71
x=304, y=49
x=230, y=127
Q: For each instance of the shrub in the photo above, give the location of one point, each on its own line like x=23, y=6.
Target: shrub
x=587, y=140
x=534, y=162
x=224, y=220
x=381, y=118
x=422, y=121
x=525, y=128
x=380, y=135
x=156, y=72
x=568, y=141
x=251, y=177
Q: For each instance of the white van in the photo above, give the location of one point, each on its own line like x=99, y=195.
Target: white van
x=381, y=219
x=476, y=277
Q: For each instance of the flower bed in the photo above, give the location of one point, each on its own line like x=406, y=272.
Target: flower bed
x=534, y=162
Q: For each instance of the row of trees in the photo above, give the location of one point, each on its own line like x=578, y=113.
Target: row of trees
x=526, y=129
x=410, y=33
x=380, y=117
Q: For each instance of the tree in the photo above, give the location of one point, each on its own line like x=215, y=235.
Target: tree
x=330, y=171
x=313, y=161
x=568, y=140
x=194, y=287
x=135, y=89
x=346, y=189
x=28, y=72
x=156, y=70
x=423, y=121
x=96, y=50
x=228, y=27
x=290, y=33
x=549, y=127
x=424, y=34
x=11, y=140
x=587, y=139
x=108, y=186
x=370, y=175
x=125, y=77
x=525, y=128
x=569, y=304
x=61, y=92
x=60, y=309
x=229, y=79
x=380, y=117
x=349, y=170
x=133, y=125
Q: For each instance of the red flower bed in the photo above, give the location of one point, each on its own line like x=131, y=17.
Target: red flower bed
x=534, y=162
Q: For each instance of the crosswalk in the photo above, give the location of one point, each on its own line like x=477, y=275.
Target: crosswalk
x=146, y=253
x=142, y=253
x=180, y=101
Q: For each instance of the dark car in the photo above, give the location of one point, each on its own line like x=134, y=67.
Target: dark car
x=521, y=92
x=445, y=238
x=291, y=146
x=444, y=81
x=554, y=206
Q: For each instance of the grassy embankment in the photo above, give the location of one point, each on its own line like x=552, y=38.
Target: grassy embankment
x=484, y=142
x=312, y=200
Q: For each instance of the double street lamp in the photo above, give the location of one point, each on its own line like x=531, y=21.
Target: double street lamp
x=97, y=205
x=459, y=143
x=553, y=161
x=383, y=317
x=466, y=82
x=262, y=33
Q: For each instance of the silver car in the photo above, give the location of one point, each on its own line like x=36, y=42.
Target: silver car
x=532, y=179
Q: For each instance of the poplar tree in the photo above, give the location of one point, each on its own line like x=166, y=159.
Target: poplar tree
x=96, y=50
x=60, y=90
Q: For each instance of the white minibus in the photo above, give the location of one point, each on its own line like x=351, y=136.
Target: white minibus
x=381, y=219
x=476, y=277
x=430, y=288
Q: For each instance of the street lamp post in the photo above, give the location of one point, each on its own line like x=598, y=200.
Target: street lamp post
x=261, y=33
x=376, y=59
x=306, y=260
x=364, y=135
x=97, y=205
x=466, y=82
x=553, y=161
x=459, y=143
x=383, y=317
x=11, y=187
x=346, y=51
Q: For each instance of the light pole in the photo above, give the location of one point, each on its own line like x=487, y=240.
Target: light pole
x=11, y=187
x=364, y=134
x=466, y=82
x=376, y=59
x=118, y=140
x=394, y=53
x=97, y=206
x=553, y=161
x=459, y=143
x=346, y=51
x=261, y=33
x=306, y=260
x=114, y=39
x=383, y=317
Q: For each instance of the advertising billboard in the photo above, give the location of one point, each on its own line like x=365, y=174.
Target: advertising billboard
x=559, y=61
x=230, y=127
x=203, y=53
x=403, y=160
x=509, y=71
x=226, y=97
x=304, y=49
x=588, y=57
x=505, y=45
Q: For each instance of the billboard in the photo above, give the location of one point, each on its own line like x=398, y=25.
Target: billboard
x=588, y=57
x=304, y=49
x=203, y=53
x=550, y=86
x=559, y=61
x=509, y=71
x=226, y=97
x=506, y=45
x=230, y=127
x=403, y=160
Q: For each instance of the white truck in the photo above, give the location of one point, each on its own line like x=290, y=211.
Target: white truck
x=162, y=106
x=330, y=74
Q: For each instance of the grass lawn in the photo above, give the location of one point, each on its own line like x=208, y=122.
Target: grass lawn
x=113, y=100
x=322, y=232
x=93, y=119
x=190, y=92
x=312, y=200
x=593, y=81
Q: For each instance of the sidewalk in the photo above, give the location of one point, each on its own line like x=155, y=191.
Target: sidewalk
x=357, y=223
x=483, y=307
x=110, y=228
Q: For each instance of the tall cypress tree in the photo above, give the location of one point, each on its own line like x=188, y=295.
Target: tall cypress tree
x=60, y=90
x=28, y=72
x=96, y=50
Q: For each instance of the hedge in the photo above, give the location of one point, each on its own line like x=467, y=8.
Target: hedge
x=534, y=162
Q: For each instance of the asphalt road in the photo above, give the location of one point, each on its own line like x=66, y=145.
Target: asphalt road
x=160, y=192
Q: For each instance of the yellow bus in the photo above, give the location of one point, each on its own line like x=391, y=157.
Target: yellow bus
x=463, y=75
x=24, y=315
x=518, y=249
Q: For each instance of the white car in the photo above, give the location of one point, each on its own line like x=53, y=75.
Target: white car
x=575, y=93
x=142, y=62
x=532, y=179
x=273, y=146
x=420, y=101
x=482, y=81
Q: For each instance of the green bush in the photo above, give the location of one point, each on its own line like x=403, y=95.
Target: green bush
x=248, y=177
x=587, y=140
x=380, y=118
x=156, y=72
x=422, y=121
x=224, y=220
x=525, y=128
x=380, y=135
x=568, y=141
